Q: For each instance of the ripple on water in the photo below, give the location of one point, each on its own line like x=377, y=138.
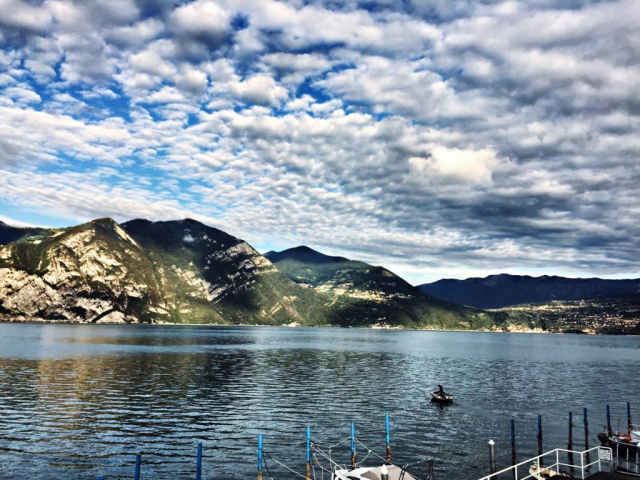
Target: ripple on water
x=80, y=401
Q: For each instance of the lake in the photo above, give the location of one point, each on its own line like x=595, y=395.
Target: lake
x=79, y=401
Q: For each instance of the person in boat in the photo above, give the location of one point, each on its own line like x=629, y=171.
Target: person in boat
x=441, y=391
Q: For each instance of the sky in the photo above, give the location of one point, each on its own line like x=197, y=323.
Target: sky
x=439, y=138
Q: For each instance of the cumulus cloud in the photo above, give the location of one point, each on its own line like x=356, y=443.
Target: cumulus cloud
x=192, y=81
x=456, y=165
x=200, y=26
x=260, y=89
x=17, y=16
x=444, y=136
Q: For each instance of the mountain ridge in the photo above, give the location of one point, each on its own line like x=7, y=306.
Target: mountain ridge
x=501, y=290
x=147, y=272
x=304, y=252
x=359, y=290
x=183, y=271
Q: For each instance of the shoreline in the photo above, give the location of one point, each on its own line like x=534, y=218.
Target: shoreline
x=373, y=327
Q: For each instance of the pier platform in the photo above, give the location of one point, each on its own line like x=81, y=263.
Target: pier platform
x=610, y=476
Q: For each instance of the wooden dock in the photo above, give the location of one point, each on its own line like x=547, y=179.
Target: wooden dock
x=610, y=476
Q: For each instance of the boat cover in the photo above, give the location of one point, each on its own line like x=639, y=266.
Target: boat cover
x=374, y=473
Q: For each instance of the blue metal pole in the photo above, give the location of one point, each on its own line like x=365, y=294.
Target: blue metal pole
x=609, y=431
x=136, y=474
x=540, y=435
x=586, y=429
x=570, y=428
x=260, y=457
x=199, y=463
x=513, y=444
x=513, y=432
x=308, y=453
x=629, y=424
x=386, y=424
x=353, y=445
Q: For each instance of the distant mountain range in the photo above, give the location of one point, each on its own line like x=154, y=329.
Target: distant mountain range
x=186, y=272
x=496, y=291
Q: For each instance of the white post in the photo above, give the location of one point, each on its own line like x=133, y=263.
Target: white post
x=557, y=460
x=492, y=458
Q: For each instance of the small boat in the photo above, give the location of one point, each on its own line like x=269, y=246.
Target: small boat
x=445, y=397
x=623, y=445
x=391, y=472
x=540, y=472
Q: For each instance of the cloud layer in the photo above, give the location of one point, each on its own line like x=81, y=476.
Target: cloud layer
x=437, y=138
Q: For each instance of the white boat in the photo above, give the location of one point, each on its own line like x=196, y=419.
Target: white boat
x=373, y=473
x=436, y=396
x=542, y=473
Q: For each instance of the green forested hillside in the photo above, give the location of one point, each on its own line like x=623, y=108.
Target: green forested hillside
x=363, y=294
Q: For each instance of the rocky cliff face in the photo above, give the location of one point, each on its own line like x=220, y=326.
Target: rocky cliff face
x=208, y=276
x=90, y=273
x=147, y=272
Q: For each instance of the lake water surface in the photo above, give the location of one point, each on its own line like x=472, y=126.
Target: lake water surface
x=79, y=401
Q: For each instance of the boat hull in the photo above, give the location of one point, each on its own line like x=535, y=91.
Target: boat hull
x=373, y=473
x=542, y=473
x=436, y=397
x=620, y=448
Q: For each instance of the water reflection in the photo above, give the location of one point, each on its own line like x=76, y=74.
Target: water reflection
x=80, y=401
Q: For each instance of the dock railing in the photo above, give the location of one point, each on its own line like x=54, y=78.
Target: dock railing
x=554, y=460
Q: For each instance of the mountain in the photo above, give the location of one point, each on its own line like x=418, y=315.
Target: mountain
x=9, y=233
x=496, y=291
x=364, y=294
x=187, y=272
x=206, y=275
x=141, y=271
